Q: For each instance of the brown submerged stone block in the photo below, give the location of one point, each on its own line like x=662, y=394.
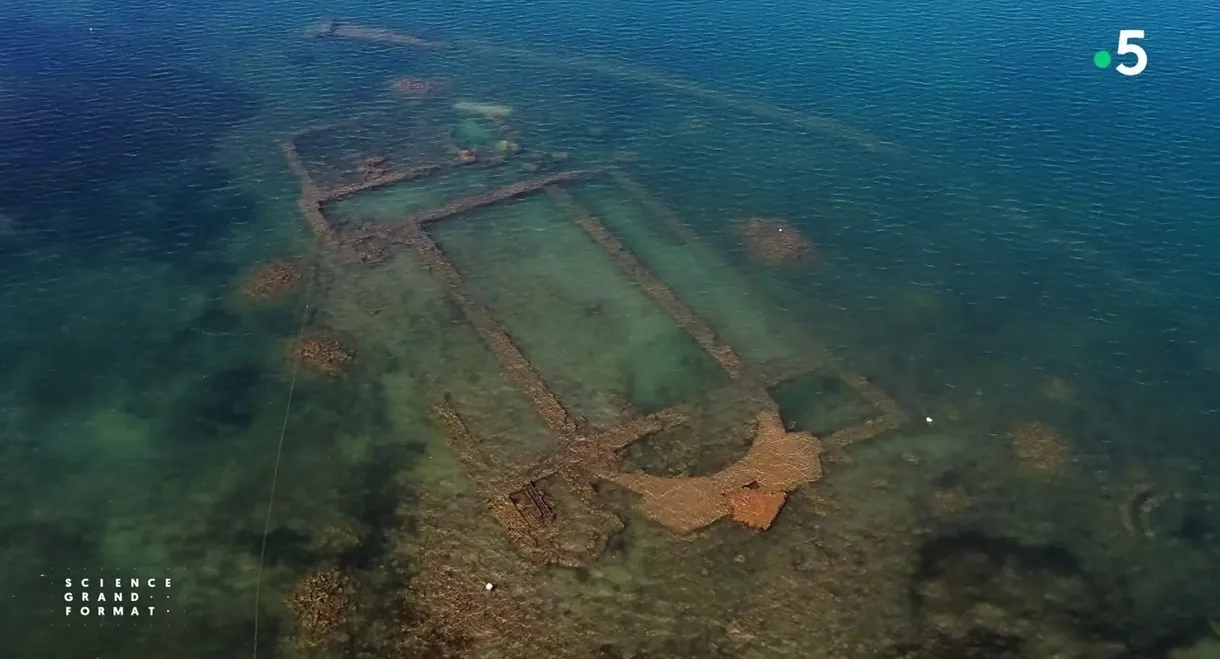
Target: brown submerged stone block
x=778, y=462
x=755, y=507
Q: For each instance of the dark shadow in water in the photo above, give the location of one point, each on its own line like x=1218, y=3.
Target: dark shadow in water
x=380, y=505
x=958, y=574
x=370, y=496
x=215, y=320
x=55, y=543
x=170, y=212
x=84, y=111
x=285, y=547
x=222, y=404
x=56, y=387
x=1042, y=601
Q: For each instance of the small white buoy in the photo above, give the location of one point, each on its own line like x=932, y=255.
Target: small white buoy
x=489, y=586
x=928, y=419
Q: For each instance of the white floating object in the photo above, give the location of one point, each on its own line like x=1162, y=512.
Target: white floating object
x=489, y=586
x=928, y=419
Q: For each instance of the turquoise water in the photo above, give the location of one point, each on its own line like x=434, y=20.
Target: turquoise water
x=1005, y=236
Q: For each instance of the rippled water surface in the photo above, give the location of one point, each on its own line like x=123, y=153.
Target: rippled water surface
x=923, y=279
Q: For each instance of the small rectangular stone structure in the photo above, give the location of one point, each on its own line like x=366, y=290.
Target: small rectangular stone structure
x=350, y=163
x=372, y=151
x=549, y=509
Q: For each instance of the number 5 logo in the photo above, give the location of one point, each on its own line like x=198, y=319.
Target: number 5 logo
x=1125, y=47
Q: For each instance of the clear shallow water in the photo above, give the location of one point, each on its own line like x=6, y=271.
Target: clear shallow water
x=1036, y=245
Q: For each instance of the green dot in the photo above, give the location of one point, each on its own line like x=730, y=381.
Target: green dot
x=1101, y=59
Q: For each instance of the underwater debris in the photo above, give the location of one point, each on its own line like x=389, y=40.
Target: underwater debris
x=1146, y=510
x=548, y=510
x=372, y=166
x=323, y=353
x=321, y=603
x=532, y=505
x=751, y=106
x=419, y=89
x=775, y=241
x=330, y=170
x=367, y=243
x=1137, y=510
x=1040, y=447
x=337, y=30
x=271, y=281
x=379, y=178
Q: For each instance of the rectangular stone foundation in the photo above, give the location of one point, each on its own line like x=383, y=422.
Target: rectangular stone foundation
x=549, y=508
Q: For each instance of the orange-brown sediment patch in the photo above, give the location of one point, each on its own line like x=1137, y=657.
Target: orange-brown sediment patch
x=778, y=461
x=775, y=241
x=272, y=281
x=755, y=507
x=322, y=353
x=321, y=604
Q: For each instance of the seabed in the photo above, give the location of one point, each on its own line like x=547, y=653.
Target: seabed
x=566, y=530
x=518, y=497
